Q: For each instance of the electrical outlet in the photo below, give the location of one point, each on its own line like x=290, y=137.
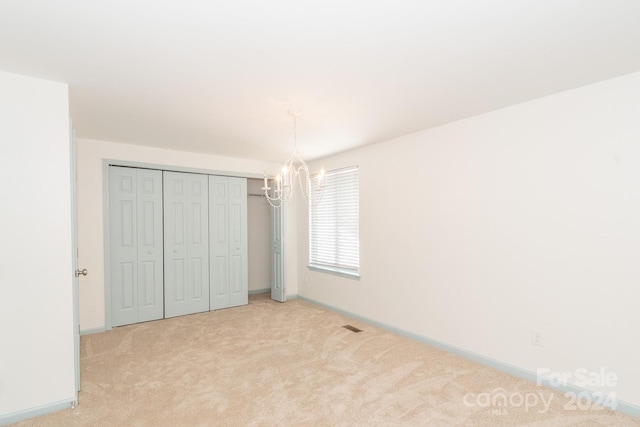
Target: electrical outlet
x=536, y=337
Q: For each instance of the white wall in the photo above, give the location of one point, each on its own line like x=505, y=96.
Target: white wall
x=90, y=156
x=259, y=241
x=36, y=300
x=473, y=233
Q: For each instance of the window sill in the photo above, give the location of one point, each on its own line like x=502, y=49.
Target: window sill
x=336, y=272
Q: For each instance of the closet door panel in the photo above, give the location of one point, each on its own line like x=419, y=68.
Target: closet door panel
x=238, y=263
x=198, y=243
x=219, y=241
x=135, y=245
x=278, y=292
x=186, y=248
x=228, y=241
x=150, y=245
x=122, y=245
x=175, y=250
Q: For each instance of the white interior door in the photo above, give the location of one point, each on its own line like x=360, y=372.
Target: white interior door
x=135, y=242
x=278, y=290
x=238, y=253
x=150, y=280
x=186, y=248
x=122, y=245
x=228, y=241
x=74, y=258
x=219, y=241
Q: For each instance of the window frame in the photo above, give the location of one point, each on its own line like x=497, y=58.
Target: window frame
x=350, y=204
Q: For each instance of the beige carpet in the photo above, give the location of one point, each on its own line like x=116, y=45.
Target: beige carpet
x=292, y=364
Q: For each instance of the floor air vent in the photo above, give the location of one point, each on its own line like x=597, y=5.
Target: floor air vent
x=352, y=328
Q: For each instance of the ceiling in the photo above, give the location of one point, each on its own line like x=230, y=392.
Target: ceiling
x=219, y=77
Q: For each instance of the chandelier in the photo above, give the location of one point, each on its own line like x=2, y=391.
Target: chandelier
x=295, y=170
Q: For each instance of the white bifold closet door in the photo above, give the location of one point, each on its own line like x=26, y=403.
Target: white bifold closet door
x=278, y=291
x=228, y=241
x=135, y=243
x=186, y=243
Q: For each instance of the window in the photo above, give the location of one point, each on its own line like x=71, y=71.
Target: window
x=334, y=241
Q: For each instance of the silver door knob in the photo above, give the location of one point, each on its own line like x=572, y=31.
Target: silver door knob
x=175, y=251
x=82, y=272
x=150, y=252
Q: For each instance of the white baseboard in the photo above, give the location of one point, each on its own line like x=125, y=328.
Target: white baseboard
x=16, y=417
x=91, y=331
x=620, y=406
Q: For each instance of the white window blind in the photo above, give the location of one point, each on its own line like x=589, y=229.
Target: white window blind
x=334, y=241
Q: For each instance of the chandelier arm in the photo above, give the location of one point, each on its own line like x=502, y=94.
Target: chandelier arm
x=303, y=187
x=270, y=199
x=294, y=169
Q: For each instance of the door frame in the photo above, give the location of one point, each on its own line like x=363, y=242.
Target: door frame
x=106, y=163
x=74, y=259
